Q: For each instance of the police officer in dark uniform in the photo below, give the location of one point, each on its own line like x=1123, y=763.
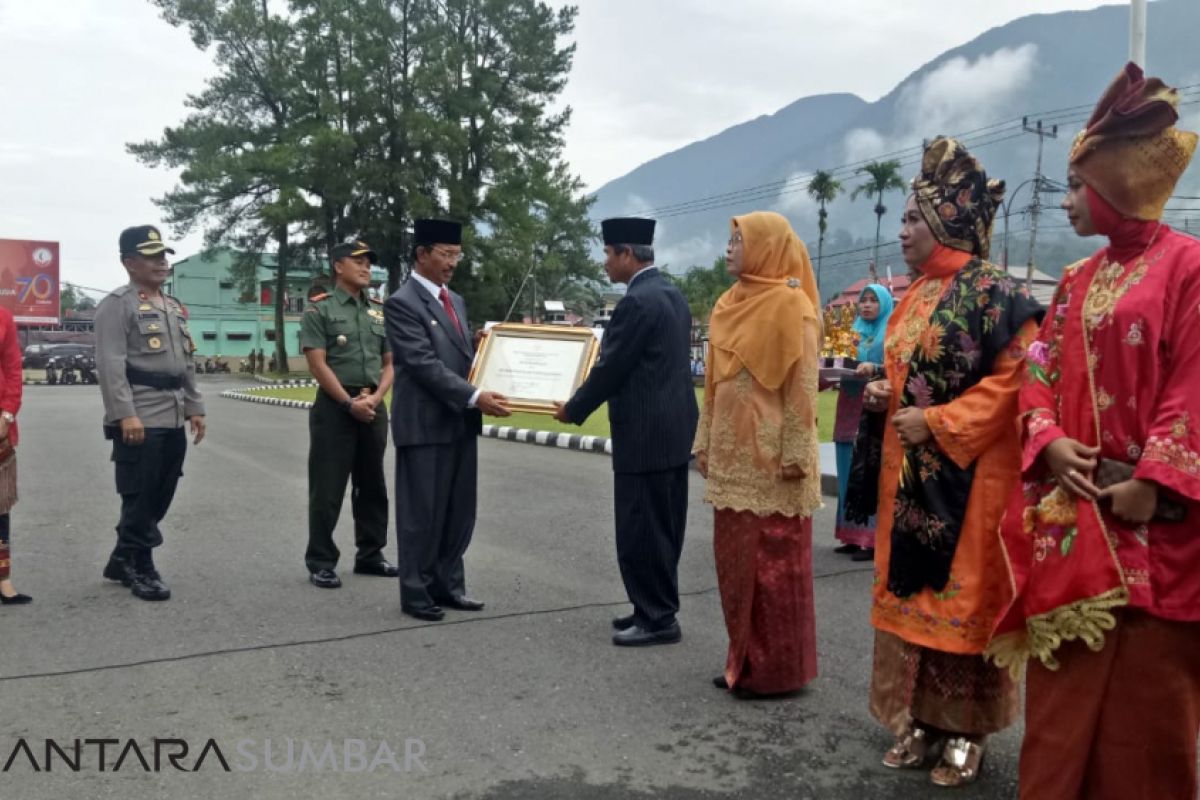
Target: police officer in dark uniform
x=148, y=382
x=343, y=338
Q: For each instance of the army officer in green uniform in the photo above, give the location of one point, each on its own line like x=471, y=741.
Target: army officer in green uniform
x=343, y=338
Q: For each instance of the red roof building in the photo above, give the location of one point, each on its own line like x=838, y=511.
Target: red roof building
x=1042, y=287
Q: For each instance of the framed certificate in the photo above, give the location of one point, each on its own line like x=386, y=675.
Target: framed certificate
x=534, y=366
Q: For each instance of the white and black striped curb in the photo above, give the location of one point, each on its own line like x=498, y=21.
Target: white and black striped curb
x=564, y=441
x=285, y=381
x=249, y=395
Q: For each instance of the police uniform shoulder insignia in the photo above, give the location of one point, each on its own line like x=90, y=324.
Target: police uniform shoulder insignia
x=318, y=298
x=177, y=305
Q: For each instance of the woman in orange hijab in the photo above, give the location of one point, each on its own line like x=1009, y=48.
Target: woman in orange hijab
x=757, y=446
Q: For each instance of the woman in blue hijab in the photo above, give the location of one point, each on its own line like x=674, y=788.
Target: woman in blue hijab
x=874, y=308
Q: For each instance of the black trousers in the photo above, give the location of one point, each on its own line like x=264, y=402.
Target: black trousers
x=435, y=518
x=651, y=514
x=147, y=476
x=341, y=448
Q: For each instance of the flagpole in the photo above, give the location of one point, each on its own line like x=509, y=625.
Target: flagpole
x=1137, y=32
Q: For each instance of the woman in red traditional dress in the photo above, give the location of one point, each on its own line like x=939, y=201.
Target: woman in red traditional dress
x=757, y=446
x=1103, y=536
x=939, y=472
x=11, y=385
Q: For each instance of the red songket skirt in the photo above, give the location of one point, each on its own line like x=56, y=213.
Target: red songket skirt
x=764, y=570
x=1118, y=723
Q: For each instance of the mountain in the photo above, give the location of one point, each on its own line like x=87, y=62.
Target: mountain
x=1046, y=66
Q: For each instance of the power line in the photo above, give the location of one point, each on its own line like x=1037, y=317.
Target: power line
x=766, y=190
x=769, y=191
x=988, y=135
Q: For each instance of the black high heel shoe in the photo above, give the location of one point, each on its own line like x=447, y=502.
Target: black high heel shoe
x=17, y=599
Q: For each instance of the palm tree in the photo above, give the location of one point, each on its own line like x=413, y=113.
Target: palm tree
x=885, y=176
x=824, y=189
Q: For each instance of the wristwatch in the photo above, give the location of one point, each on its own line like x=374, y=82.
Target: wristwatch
x=8, y=417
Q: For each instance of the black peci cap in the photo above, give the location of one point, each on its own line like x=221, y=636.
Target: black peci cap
x=143, y=240
x=355, y=248
x=628, y=230
x=437, y=231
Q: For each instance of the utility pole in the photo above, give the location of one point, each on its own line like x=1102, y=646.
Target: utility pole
x=1137, y=32
x=1036, y=209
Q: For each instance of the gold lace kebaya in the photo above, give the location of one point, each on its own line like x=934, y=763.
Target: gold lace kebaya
x=749, y=432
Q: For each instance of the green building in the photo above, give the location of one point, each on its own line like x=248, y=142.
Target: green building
x=229, y=322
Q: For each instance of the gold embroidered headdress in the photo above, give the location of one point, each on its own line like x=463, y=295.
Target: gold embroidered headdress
x=956, y=198
x=1131, y=153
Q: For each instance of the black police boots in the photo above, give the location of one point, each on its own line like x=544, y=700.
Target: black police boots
x=138, y=573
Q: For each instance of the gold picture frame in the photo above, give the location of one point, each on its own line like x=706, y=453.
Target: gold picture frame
x=534, y=365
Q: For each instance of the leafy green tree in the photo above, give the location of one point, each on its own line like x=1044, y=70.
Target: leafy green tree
x=702, y=286
x=239, y=148
x=539, y=247
x=823, y=188
x=373, y=155
x=332, y=119
x=883, y=177
x=68, y=298
x=72, y=298
x=501, y=65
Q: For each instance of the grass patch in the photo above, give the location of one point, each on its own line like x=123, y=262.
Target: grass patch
x=596, y=424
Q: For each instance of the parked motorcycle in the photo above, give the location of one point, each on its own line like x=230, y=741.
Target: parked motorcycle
x=87, y=369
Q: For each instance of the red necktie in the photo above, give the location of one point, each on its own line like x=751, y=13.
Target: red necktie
x=446, y=304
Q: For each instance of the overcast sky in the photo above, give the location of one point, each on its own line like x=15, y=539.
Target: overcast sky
x=84, y=77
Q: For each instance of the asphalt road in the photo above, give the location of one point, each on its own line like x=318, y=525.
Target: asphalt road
x=527, y=699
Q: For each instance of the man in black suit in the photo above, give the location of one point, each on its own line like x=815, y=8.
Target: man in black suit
x=436, y=417
x=644, y=374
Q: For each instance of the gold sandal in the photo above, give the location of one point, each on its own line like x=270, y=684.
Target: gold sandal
x=913, y=750
x=962, y=761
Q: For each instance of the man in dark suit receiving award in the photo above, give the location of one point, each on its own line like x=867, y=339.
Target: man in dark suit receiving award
x=644, y=373
x=436, y=417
